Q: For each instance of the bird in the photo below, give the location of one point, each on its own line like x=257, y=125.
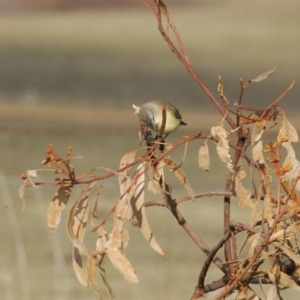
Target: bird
x=150, y=113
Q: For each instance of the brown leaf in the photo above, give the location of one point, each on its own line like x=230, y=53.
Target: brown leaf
x=91, y=274
x=75, y=226
x=271, y=293
x=79, y=227
x=105, y=281
x=268, y=209
x=256, y=215
x=203, y=157
x=57, y=205
x=119, y=237
x=243, y=194
x=155, y=177
x=291, y=254
x=180, y=175
x=78, y=268
x=247, y=294
x=222, y=145
x=100, y=246
x=287, y=131
x=137, y=213
x=253, y=241
x=263, y=76
x=127, y=159
x=257, y=147
x=120, y=262
x=281, y=279
x=101, y=228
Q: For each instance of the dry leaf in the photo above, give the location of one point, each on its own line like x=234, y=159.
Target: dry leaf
x=288, y=134
x=247, y=294
x=156, y=177
x=100, y=247
x=263, y=76
x=137, y=213
x=257, y=146
x=127, y=159
x=107, y=285
x=294, y=164
x=271, y=293
x=120, y=214
x=253, y=241
x=180, y=175
x=291, y=254
x=78, y=268
x=100, y=228
x=76, y=236
x=57, y=205
x=256, y=215
x=282, y=280
x=80, y=219
x=243, y=194
x=222, y=145
x=91, y=274
x=120, y=262
x=268, y=209
x=287, y=131
x=203, y=157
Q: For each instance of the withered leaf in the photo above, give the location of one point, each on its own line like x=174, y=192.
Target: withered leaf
x=78, y=267
x=281, y=279
x=100, y=247
x=180, y=175
x=119, y=238
x=294, y=165
x=271, y=293
x=257, y=147
x=80, y=219
x=268, y=209
x=243, y=194
x=246, y=294
x=137, y=213
x=263, y=76
x=203, y=157
x=101, y=229
x=288, y=132
x=291, y=254
x=107, y=285
x=253, y=241
x=155, y=177
x=120, y=262
x=91, y=274
x=75, y=226
x=127, y=159
x=57, y=205
x=256, y=215
x=222, y=145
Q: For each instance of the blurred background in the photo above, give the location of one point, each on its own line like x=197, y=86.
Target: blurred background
x=69, y=74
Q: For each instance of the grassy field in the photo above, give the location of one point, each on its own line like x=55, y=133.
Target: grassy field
x=71, y=78
x=103, y=58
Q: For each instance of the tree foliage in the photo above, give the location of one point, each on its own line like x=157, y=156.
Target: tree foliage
x=240, y=140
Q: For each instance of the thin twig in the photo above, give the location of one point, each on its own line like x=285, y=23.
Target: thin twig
x=188, y=66
x=209, y=259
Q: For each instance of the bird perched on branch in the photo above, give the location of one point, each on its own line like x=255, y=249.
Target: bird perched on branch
x=151, y=113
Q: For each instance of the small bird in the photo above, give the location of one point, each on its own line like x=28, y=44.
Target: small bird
x=150, y=113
